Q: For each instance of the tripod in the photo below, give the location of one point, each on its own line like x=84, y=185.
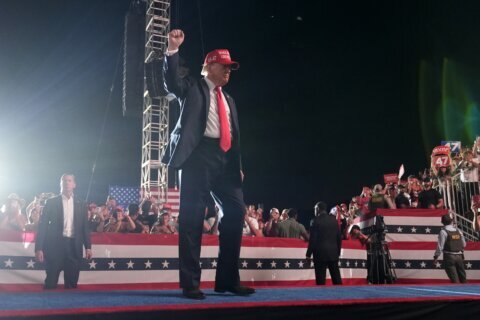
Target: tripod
x=379, y=261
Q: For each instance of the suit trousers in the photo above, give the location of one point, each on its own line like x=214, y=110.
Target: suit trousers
x=209, y=172
x=454, y=267
x=321, y=271
x=65, y=258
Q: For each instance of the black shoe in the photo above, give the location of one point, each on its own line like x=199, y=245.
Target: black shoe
x=237, y=290
x=194, y=293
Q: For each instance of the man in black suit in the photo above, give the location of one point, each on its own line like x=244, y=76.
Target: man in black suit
x=325, y=243
x=62, y=233
x=205, y=145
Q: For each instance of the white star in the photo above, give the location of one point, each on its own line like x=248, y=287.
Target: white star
x=111, y=265
x=427, y=230
x=414, y=230
x=287, y=264
x=8, y=263
x=259, y=264
x=214, y=263
x=363, y=264
x=408, y=264
x=423, y=264
x=312, y=264
x=165, y=264
x=438, y=265
x=469, y=265
x=130, y=264
x=273, y=264
x=394, y=264
x=399, y=229
x=244, y=264
x=356, y=263
x=148, y=265
x=31, y=264
x=348, y=263
x=300, y=264
x=93, y=264
x=339, y=263
x=200, y=263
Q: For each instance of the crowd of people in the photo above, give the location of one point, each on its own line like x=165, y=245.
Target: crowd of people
x=154, y=217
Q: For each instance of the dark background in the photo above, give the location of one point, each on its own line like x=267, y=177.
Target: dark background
x=329, y=93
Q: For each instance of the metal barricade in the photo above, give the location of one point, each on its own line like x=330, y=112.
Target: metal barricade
x=457, y=197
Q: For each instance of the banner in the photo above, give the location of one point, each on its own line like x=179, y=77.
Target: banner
x=390, y=178
x=142, y=260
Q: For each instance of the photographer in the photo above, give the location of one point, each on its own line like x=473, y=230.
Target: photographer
x=378, y=255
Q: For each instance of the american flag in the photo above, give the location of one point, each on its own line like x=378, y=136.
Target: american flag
x=126, y=195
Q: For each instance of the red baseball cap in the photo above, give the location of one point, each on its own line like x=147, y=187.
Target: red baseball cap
x=221, y=56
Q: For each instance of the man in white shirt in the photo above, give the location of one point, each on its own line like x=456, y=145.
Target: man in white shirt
x=205, y=146
x=63, y=231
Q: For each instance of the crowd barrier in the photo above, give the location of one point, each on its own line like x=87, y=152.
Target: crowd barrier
x=151, y=261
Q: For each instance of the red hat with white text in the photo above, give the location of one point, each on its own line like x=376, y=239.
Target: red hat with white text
x=221, y=56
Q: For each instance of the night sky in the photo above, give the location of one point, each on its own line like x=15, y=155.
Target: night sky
x=331, y=94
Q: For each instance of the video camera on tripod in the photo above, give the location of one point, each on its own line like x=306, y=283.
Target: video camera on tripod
x=379, y=260
x=378, y=227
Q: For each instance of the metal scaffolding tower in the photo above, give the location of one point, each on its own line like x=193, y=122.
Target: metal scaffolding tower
x=154, y=179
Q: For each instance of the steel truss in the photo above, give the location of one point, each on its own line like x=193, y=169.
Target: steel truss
x=154, y=178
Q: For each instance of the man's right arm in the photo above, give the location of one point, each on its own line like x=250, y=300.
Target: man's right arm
x=172, y=81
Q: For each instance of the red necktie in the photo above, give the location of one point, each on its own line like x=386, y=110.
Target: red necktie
x=225, y=140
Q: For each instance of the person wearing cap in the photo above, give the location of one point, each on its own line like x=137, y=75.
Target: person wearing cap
x=62, y=233
x=205, y=146
x=429, y=198
x=451, y=243
x=402, y=200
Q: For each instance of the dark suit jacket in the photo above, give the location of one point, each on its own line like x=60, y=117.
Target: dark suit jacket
x=325, y=239
x=195, y=101
x=49, y=236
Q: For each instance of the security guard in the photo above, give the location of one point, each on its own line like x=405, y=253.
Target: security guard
x=451, y=242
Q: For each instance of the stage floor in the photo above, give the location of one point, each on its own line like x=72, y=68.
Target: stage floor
x=68, y=303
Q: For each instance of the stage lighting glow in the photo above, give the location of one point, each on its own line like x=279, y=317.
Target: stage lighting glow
x=448, y=107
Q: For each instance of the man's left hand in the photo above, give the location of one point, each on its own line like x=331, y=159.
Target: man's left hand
x=88, y=254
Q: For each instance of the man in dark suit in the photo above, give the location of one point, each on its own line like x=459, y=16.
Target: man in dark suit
x=205, y=145
x=325, y=243
x=62, y=233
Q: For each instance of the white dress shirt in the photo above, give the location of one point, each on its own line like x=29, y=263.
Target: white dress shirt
x=212, y=129
x=68, y=228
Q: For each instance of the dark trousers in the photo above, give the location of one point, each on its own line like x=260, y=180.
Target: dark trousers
x=454, y=267
x=63, y=257
x=321, y=271
x=208, y=172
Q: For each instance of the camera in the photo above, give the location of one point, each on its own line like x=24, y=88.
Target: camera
x=378, y=226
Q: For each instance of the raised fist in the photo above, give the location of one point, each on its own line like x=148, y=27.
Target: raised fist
x=175, y=39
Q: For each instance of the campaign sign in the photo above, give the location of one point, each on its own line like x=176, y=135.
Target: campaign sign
x=390, y=178
x=455, y=146
x=445, y=150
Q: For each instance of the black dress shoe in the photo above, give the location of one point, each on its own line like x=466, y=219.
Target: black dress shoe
x=194, y=293
x=237, y=290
